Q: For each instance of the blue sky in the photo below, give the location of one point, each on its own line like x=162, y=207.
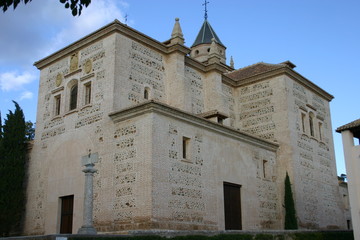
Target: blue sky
x=321, y=37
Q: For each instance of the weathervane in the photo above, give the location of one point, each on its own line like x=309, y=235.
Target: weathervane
x=126, y=18
x=205, y=4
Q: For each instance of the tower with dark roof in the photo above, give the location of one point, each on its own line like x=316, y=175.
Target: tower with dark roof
x=201, y=49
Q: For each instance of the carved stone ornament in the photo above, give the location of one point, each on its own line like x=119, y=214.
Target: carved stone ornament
x=58, y=80
x=74, y=62
x=88, y=66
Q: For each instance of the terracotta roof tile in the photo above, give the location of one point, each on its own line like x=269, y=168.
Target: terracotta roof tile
x=349, y=126
x=255, y=69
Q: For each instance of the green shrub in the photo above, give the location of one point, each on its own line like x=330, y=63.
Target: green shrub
x=346, y=235
x=264, y=237
x=193, y=237
x=234, y=237
x=308, y=236
x=290, y=213
x=279, y=237
x=338, y=236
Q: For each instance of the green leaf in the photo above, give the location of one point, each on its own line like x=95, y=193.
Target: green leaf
x=74, y=12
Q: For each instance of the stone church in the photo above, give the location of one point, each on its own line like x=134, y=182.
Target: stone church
x=184, y=141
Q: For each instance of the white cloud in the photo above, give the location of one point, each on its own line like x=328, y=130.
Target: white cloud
x=13, y=81
x=98, y=14
x=26, y=95
x=42, y=27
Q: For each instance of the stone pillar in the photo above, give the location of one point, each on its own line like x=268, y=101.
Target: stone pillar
x=89, y=162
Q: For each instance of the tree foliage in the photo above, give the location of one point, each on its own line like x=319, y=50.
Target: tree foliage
x=29, y=130
x=75, y=6
x=290, y=213
x=12, y=171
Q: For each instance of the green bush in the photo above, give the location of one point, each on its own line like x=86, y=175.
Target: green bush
x=264, y=237
x=234, y=237
x=193, y=237
x=346, y=235
x=308, y=236
x=279, y=237
x=290, y=212
x=338, y=235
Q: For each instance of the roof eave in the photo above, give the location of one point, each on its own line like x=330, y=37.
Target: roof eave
x=114, y=27
x=289, y=72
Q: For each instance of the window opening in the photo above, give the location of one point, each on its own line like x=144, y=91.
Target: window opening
x=57, y=105
x=146, y=93
x=88, y=93
x=73, y=97
x=311, y=122
x=186, y=146
x=320, y=130
x=264, y=168
x=303, y=116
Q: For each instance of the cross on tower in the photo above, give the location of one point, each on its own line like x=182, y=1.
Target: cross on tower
x=126, y=18
x=205, y=4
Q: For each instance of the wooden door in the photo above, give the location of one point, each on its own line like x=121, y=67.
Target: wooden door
x=232, y=205
x=66, y=221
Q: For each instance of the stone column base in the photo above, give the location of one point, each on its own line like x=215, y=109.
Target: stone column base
x=87, y=230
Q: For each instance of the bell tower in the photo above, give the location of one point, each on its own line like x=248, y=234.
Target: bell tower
x=207, y=42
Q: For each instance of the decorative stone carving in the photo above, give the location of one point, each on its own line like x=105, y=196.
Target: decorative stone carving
x=88, y=66
x=59, y=78
x=74, y=62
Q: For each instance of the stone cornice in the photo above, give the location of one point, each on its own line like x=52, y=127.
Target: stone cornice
x=219, y=67
x=114, y=27
x=229, y=81
x=281, y=71
x=161, y=108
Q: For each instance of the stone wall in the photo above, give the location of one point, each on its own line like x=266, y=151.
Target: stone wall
x=280, y=109
x=317, y=187
x=54, y=165
x=188, y=192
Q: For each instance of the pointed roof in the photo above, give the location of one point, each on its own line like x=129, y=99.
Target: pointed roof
x=177, y=32
x=205, y=35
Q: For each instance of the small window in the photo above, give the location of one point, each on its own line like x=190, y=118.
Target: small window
x=146, y=93
x=186, y=147
x=87, y=93
x=303, y=117
x=311, y=123
x=320, y=131
x=73, y=97
x=57, y=104
x=196, y=52
x=264, y=168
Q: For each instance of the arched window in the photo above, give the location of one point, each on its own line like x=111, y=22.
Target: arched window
x=311, y=123
x=146, y=93
x=303, y=115
x=320, y=131
x=73, y=97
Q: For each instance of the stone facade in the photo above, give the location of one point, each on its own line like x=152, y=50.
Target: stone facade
x=170, y=131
